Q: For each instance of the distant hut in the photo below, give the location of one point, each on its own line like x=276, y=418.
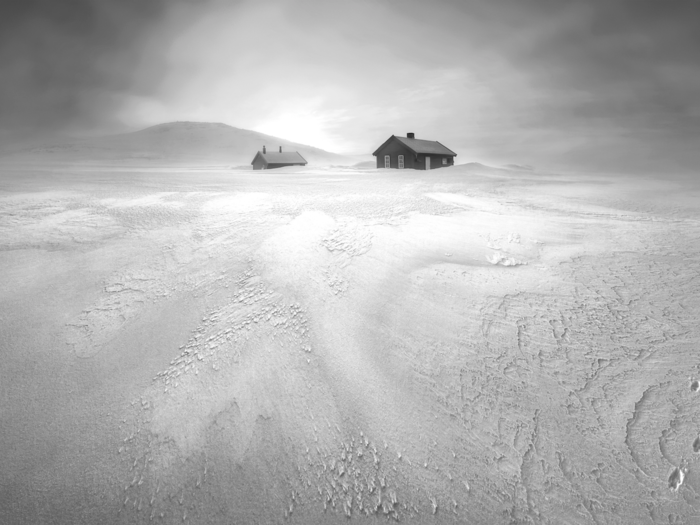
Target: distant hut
x=277, y=159
x=413, y=153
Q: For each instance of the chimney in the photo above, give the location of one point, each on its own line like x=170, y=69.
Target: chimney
x=264, y=151
x=280, y=149
x=410, y=135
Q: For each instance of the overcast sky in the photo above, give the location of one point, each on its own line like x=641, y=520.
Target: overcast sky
x=609, y=84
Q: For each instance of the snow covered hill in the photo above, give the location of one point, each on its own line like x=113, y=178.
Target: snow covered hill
x=175, y=143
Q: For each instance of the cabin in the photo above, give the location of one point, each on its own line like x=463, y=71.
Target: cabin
x=277, y=159
x=411, y=153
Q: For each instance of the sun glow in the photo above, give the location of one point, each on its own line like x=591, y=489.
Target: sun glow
x=304, y=127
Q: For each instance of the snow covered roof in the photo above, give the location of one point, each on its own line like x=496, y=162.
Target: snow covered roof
x=430, y=147
x=284, y=157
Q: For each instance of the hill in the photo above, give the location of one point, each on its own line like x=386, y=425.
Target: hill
x=175, y=142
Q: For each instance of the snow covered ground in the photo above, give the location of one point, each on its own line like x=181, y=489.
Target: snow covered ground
x=466, y=345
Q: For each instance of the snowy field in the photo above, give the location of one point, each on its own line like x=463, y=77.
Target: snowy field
x=318, y=345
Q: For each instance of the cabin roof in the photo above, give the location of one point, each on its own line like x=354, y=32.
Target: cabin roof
x=430, y=147
x=284, y=157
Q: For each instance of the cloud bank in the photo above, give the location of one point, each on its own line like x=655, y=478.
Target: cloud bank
x=591, y=85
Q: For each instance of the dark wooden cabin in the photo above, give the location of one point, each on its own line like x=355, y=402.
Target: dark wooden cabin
x=277, y=159
x=412, y=153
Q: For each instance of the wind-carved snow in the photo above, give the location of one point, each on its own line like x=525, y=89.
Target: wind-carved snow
x=504, y=246
x=676, y=478
x=349, y=239
x=45, y=222
x=554, y=351
x=504, y=260
x=641, y=445
x=120, y=301
x=304, y=352
x=211, y=363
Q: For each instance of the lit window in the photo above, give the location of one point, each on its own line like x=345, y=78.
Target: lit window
x=387, y=161
x=400, y=162
x=444, y=161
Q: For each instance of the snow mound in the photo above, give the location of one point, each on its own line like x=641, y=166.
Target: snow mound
x=520, y=167
x=503, y=260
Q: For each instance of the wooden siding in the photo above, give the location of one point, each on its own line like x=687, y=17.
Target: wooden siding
x=273, y=166
x=260, y=164
x=435, y=161
x=394, y=149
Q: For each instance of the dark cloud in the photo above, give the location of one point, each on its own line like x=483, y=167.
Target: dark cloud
x=631, y=56
x=63, y=62
x=619, y=80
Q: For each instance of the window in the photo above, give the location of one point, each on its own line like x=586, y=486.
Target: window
x=387, y=161
x=444, y=161
x=400, y=162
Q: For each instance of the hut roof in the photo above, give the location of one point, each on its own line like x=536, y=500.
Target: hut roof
x=429, y=147
x=284, y=157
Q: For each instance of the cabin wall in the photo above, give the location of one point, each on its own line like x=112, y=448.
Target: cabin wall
x=394, y=149
x=282, y=165
x=435, y=161
x=258, y=164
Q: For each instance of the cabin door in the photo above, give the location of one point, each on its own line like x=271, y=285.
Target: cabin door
x=427, y=163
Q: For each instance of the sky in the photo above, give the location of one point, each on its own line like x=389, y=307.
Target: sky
x=597, y=85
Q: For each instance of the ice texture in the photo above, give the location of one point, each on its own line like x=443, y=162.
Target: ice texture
x=335, y=345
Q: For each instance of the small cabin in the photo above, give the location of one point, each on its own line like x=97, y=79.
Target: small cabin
x=277, y=159
x=411, y=153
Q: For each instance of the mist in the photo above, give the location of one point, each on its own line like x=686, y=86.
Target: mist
x=591, y=86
